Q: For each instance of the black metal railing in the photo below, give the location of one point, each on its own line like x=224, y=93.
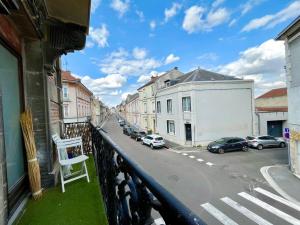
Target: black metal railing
x=129, y=193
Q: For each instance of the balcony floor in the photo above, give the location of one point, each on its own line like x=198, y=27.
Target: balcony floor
x=80, y=204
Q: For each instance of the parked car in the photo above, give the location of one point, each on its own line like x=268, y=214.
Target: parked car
x=122, y=123
x=153, y=140
x=137, y=135
x=262, y=142
x=127, y=130
x=228, y=144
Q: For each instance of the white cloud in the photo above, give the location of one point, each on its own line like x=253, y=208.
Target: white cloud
x=98, y=36
x=232, y=22
x=209, y=56
x=171, y=58
x=144, y=78
x=269, y=21
x=140, y=15
x=120, y=6
x=195, y=20
x=139, y=53
x=124, y=63
x=152, y=24
x=217, y=3
x=94, y=5
x=249, y=5
x=263, y=63
x=171, y=12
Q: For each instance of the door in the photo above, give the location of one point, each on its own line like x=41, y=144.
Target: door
x=274, y=128
x=13, y=141
x=188, y=132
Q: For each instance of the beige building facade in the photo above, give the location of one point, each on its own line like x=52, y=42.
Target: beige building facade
x=77, y=99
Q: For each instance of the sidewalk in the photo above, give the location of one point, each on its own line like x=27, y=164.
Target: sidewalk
x=177, y=147
x=283, y=181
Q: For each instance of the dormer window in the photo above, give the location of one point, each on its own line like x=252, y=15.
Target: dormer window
x=167, y=83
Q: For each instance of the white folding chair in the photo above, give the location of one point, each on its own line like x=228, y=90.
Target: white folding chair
x=66, y=163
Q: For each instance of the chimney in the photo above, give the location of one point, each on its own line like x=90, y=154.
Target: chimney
x=152, y=77
x=175, y=68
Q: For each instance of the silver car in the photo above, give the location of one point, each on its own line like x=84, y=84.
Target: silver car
x=261, y=142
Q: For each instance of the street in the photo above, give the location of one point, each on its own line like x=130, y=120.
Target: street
x=218, y=187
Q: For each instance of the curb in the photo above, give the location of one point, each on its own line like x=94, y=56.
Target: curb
x=274, y=185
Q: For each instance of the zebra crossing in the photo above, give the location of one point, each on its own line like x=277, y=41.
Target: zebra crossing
x=254, y=201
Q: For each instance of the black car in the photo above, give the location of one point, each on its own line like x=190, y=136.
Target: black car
x=228, y=144
x=127, y=130
x=137, y=135
x=122, y=123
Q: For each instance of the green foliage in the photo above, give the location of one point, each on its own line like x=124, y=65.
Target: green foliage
x=81, y=204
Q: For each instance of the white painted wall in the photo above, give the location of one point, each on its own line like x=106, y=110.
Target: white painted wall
x=219, y=109
x=262, y=118
x=292, y=70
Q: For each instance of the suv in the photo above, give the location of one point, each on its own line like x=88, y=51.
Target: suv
x=137, y=135
x=122, y=123
x=127, y=130
x=261, y=142
x=153, y=141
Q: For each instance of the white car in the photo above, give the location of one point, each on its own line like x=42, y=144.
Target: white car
x=154, y=141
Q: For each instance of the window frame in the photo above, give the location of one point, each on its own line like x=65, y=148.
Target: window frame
x=169, y=130
x=65, y=91
x=189, y=108
x=158, y=109
x=169, y=106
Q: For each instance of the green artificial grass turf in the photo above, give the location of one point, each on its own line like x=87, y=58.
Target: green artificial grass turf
x=81, y=204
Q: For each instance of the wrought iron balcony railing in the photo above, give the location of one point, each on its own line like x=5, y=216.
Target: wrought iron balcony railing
x=129, y=193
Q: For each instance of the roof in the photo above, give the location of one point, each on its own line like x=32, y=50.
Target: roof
x=153, y=79
x=132, y=97
x=290, y=29
x=274, y=93
x=204, y=75
x=67, y=76
x=271, y=109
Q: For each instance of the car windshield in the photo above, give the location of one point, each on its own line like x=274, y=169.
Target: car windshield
x=142, y=133
x=159, y=139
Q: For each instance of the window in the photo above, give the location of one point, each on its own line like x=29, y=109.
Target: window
x=145, y=107
x=158, y=107
x=152, y=90
x=167, y=83
x=186, y=104
x=66, y=110
x=169, y=106
x=65, y=91
x=170, y=127
x=153, y=107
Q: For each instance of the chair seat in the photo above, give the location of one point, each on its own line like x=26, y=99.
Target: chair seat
x=74, y=160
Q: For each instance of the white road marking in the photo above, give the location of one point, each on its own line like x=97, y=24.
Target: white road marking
x=270, y=208
x=252, y=216
x=278, y=198
x=192, y=157
x=218, y=214
x=200, y=160
x=185, y=154
x=209, y=164
x=159, y=221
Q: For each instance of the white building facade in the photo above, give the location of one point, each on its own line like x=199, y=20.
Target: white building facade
x=291, y=36
x=204, y=106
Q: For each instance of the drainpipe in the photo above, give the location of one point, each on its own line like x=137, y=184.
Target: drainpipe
x=258, y=116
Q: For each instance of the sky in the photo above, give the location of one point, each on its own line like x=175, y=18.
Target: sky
x=129, y=41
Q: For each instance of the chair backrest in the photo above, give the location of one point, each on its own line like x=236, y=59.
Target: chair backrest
x=55, y=138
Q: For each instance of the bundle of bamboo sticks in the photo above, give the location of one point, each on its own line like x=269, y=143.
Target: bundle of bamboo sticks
x=33, y=165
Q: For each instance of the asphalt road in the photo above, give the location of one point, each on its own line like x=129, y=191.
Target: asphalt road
x=211, y=184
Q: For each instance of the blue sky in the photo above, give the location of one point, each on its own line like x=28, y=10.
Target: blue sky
x=131, y=40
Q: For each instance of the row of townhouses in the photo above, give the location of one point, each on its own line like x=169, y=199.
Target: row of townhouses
x=79, y=103
x=194, y=108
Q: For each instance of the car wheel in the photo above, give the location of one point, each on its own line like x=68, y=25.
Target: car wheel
x=282, y=145
x=136, y=139
x=221, y=151
x=260, y=147
x=152, y=146
x=245, y=148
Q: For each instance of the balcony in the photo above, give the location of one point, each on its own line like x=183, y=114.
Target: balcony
x=129, y=196
x=80, y=204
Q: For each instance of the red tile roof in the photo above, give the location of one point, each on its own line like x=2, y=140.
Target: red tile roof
x=274, y=93
x=271, y=109
x=66, y=76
